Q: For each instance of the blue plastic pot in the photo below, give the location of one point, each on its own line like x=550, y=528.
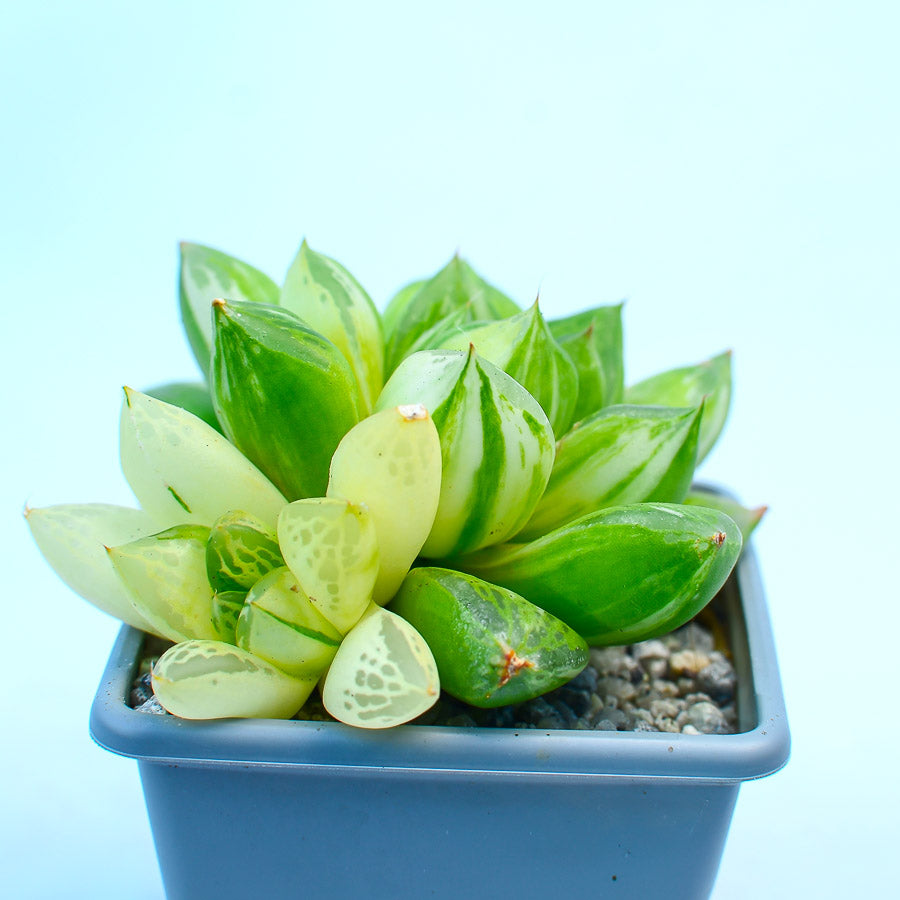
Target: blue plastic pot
x=258, y=808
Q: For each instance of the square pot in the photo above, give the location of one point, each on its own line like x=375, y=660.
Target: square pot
x=263, y=808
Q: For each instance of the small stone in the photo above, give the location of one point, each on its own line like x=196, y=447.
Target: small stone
x=664, y=688
x=706, y=717
x=618, y=687
x=647, y=651
x=689, y=729
x=666, y=708
x=153, y=706
x=696, y=637
x=605, y=725
x=718, y=679
x=688, y=662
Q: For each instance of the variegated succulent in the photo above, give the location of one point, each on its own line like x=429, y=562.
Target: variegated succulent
x=453, y=494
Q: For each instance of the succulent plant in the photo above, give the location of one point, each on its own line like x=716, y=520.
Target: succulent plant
x=455, y=494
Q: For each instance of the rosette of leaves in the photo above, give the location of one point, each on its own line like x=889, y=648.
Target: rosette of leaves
x=279, y=515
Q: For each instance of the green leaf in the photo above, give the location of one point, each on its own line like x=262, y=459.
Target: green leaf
x=324, y=295
x=241, y=549
x=181, y=470
x=214, y=680
x=496, y=446
x=73, y=538
x=456, y=285
x=280, y=625
x=331, y=547
x=617, y=456
x=708, y=382
x=391, y=463
x=165, y=574
x=208, y=275
x=284, y=394
x=593, y=340
x=397, y=305
x=623, y=574
x=746, y=519
x=226, y=608
x=188, y=395
x=492, y=647
x=523, y=347
x=383, y=674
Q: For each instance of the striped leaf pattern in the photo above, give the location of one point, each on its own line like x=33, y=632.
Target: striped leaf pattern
x=284, y=394
x=593, y=340
x=623, y=574
x=620, y=455
x=496, y=446
x=456, y=285
x=206, y=275
x=524, y=348
x=324, y=295
x=707, y=382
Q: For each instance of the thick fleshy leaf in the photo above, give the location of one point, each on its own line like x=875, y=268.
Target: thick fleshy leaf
x=192, y=396
x=746, y=519
x=181, y=470
x=617, y=456
x=166, y=577
x=456, y=285
x=280, y=625
x=207, y=274
x=623, y=574
x=215, y=680
x=331, y=547
x=496, y=446
x=593, y=341
x=708, y=382
x=391, y=463
x=284, y=394
x=226, y=607
x=241, y=549
x=492, y=647
x=524, y=348
x=397, y=305
x=383, y=674
x=73, y=538
x=324, y=295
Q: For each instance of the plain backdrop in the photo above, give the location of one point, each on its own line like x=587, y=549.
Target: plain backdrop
x=730, y=169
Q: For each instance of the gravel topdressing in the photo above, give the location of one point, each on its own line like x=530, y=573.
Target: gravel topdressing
x=678, y=683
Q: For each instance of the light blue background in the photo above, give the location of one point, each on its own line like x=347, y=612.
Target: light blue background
x=731, y=169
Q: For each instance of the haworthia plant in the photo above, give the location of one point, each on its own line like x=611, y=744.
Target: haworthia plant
x=192, y=396
x=456, y=285
x=593, y=340
x=524, y=348
x=746, y=519
x=279, y=624
x=284, y=394
x=617, y=456
x=707, y=382
x=181, y=470
x=331, y=548
x=321, y=292
x=74, y=538
x=214, y=680
x=623, y=574
x=492, y=647
x=397, y=305
x=240, y=550
x=496, y=446
x=165, y=575
x=391, y=463
x=206, y=275
x=383, y=674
